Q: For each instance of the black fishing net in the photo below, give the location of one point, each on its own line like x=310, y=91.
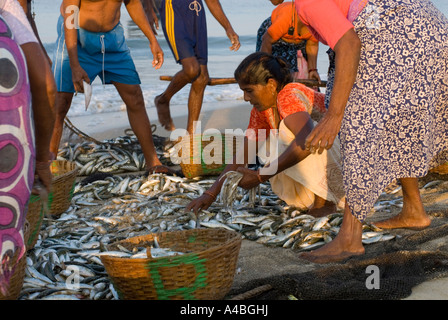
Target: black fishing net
x=395, y=266
x=388, y=270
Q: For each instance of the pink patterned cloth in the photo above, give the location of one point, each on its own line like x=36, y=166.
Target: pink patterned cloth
x=355, y=8
x=16, y=132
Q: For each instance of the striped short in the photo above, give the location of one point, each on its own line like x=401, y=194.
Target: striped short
x=185, y=28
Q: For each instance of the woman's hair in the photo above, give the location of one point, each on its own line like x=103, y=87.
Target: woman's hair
x=259, y=67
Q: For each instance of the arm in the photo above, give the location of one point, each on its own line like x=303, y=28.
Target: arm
x=137, y=14
x=205, y=200
x=216, y=9
x=266, y=43
x=312, y=49
x=26, y=8
x=348, y=50
x=300, y=125
x=71, y=40
x=151, y=15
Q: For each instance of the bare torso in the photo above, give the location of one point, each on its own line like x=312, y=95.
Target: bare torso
x=99, y=15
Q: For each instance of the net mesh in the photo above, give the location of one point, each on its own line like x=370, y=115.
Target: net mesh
x=410, y=259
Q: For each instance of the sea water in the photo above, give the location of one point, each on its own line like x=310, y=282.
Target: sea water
x=245, y=16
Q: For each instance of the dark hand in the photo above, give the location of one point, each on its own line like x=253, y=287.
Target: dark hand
x=157, y=54
x=250, y=178
x=234, y=39
x=43, y=177
x=314, y=75
x=201, y=203
x=324, y=133
x=78, y=76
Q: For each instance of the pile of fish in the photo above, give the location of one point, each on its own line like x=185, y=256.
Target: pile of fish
x=66, y=260
x=73, y=243
x=119, y=155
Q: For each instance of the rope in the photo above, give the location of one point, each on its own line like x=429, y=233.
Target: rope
x=195, y=6
x=81, y=134
x=85, y=136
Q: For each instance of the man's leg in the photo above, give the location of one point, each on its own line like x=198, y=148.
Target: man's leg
x=63, y=102
x=196, y=97
x=138, y=118
x=189, y=73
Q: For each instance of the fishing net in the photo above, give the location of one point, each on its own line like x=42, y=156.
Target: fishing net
x=411, y=258
x=388, y=270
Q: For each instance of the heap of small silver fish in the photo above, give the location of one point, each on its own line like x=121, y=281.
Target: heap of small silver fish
x=229, y=188
x=118, y=207
x=141, y=205
x=119, y=155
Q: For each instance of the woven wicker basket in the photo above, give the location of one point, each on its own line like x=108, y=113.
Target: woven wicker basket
x=33, y=222
x=207, y=161
x=205, y=272
x=64, y=176
x=16, y=281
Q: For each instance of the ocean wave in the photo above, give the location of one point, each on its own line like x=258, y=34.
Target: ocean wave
x=106, y=98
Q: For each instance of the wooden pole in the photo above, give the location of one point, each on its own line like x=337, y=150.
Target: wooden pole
x=218, y=81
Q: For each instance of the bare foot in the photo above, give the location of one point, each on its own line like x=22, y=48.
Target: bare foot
x=404, y=222
x=163, y=112
x=348, y=242
x=412, y=215
x=335, y=251
x=322, y=210
x=164, y=169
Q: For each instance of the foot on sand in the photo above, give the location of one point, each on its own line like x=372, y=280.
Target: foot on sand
x=402, y=222
x=164, y=169
x=334, y=251
x=163, y=112
x=321, y=211
x=312, y=256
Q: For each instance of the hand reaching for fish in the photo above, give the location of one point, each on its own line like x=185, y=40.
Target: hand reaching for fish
x=250, y=178
x=201, y=203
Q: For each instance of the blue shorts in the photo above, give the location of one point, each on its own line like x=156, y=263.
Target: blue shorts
x=100, y=54
x=185, y=28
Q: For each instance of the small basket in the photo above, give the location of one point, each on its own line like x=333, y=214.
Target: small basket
x=204, y=158
x=16, y=281
x=64, y=176
x=33, y=222
x=204, y=272
x=442, y=169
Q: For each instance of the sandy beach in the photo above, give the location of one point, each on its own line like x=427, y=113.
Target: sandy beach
x=411, y=265
x=257, y=263
x=221, y=115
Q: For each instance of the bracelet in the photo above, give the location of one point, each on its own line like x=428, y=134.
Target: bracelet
x=210, y=194
x=311, y=70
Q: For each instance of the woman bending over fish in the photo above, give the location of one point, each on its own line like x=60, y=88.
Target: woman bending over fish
x=282, y=111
